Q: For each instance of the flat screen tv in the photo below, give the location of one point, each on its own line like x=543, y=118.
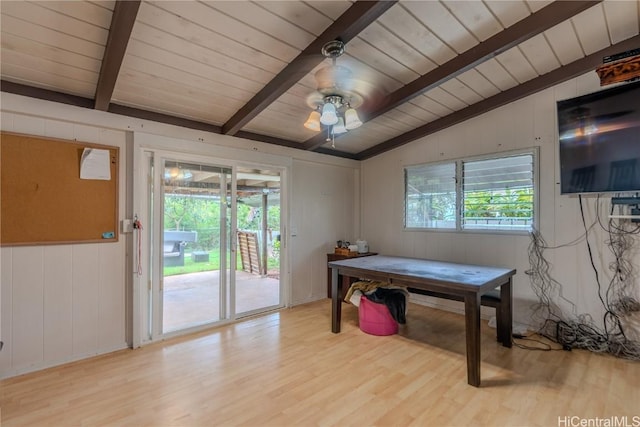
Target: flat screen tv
x=599, y=138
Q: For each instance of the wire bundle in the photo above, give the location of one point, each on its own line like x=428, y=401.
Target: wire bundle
x=579, y=330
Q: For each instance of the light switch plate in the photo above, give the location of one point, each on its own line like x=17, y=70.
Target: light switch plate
x=127, y=226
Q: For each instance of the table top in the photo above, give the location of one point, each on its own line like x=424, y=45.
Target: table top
x=439, y=272
x=341, y=256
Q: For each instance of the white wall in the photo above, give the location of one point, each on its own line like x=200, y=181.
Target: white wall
x=66, y=302
x=324, y=210
x=62, y=302
x=526, y=123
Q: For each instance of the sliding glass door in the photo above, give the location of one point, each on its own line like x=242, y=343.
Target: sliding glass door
x=257, y=284
x=215, y=246
x=194, y=247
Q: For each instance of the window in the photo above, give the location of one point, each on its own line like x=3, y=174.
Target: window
x=430, y=194
x=489, y=193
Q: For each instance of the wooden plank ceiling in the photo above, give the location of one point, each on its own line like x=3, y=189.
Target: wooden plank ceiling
x=248, y=68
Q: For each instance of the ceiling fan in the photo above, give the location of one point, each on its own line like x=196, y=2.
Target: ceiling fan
x=337, y=97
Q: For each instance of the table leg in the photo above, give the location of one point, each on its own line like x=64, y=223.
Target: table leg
x=506, y=315
x=472, y=326
x=499, y=327
x=336, y=300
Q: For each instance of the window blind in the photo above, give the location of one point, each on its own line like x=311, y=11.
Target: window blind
x=498, y=193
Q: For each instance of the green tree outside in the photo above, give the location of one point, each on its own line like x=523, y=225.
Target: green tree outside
x=202, y=214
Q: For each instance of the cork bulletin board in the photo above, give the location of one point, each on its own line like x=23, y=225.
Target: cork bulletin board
x=43, y=199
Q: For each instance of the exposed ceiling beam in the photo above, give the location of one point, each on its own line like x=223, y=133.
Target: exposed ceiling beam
x=557, y=76
x=359, y=16
x=336, y=153
x=45, y=94
x=268, y=139
x=512, y=36
x=138, y=113
x=122, y=20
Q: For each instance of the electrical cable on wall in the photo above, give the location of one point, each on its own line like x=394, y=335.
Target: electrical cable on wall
x=579, y=331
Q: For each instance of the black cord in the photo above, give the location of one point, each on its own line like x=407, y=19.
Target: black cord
x=544, y=346
x=595, y=270
x=580, y=332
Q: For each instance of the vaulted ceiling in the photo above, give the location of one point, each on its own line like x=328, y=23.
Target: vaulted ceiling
x=247, y=68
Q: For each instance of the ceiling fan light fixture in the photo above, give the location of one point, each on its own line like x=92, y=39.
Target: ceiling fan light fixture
x=336, y=98
x=352, y=121
x=339, y=127
x=329, y=114
x=313, y=122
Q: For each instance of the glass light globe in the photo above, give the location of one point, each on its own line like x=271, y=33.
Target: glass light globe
x=352, y=121
x=329, y=114
x=313, y=122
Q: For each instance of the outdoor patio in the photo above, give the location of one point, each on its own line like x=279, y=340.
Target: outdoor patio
x=192, y=299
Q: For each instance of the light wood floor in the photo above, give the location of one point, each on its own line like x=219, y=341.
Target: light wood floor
x=288, y=369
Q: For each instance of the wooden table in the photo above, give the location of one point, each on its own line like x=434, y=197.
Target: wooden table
x=461, y=280
x=337, y=257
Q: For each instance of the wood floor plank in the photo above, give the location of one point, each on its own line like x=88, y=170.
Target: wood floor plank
x=287, y=369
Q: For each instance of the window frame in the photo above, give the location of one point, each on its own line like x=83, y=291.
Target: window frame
x=459, y=192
